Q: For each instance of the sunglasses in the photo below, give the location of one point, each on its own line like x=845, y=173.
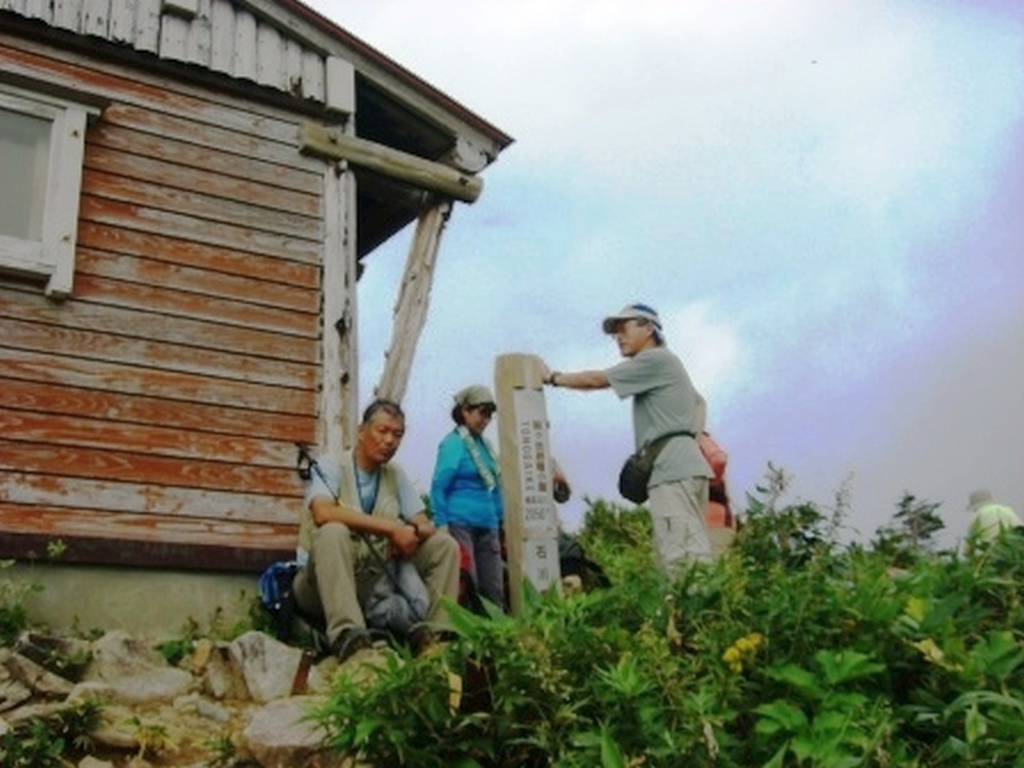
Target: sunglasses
x=487, y=408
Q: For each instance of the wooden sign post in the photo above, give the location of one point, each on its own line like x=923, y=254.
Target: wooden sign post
x=531, y=519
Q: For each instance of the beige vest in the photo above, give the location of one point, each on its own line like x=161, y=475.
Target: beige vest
x=386, y=504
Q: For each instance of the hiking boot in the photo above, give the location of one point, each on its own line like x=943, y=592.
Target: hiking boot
x=379, y=638
x=349, y=641
x=420, y=639
x=425, y=640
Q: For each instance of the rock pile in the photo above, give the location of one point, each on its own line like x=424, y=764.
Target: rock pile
x=242, y=703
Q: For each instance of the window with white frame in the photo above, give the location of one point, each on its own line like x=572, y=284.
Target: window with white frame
x=42, y=145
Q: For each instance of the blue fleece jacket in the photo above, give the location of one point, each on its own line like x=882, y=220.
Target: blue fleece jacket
x=457, y=492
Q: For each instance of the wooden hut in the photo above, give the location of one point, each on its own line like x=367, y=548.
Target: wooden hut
x=187, y=189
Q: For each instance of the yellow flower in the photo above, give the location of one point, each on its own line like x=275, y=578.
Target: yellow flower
x=742, y=651
x=750, y=643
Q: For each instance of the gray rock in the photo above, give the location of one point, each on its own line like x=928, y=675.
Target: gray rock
x=12, y=693
x=40, y=709
x=37, y=678
x=211, y=710
x=246, y=694
x=280, y=736
x=268, y=666
x=118, y=654
x=156, y=685
x=321, y=677
x=93, y=690
x=64, y=656
x=134, y=672
x=116, y=730
x=194, y=704
x=220, y=677
x=92, y=762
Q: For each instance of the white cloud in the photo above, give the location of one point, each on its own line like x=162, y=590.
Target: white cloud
x=806, y=190
x=709, y=344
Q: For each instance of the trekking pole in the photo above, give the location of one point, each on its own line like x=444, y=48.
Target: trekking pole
x=306, y=465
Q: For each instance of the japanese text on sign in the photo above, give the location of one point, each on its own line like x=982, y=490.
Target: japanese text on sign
x=539, y=517
x=541, y=560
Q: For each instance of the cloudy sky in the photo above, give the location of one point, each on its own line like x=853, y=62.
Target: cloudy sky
x=823, y=199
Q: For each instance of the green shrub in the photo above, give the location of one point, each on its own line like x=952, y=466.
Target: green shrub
x=175, y=649
x=790, y=650
x=13, y=613
x=47, y=741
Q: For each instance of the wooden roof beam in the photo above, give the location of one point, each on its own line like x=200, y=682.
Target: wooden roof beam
x=334, y=144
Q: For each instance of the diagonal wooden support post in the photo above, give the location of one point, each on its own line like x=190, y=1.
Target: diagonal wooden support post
x=413, y=301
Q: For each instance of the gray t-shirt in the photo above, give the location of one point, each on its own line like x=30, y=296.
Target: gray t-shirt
x=664, y=400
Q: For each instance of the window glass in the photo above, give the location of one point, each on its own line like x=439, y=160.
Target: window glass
x=24, y=157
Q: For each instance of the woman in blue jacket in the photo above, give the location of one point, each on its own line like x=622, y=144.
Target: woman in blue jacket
x=465, y=493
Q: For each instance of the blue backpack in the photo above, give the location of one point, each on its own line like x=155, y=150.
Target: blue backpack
x=277, y=596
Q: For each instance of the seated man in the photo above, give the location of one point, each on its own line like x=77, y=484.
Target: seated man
x=364, y=500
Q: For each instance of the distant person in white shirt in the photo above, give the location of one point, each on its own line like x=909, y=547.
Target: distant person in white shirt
x=989, y=519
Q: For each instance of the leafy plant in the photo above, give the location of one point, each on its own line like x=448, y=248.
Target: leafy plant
x=176, y=649
x=153, y=738
x=13, y=613
x=911, y=533
x=32, y=746
x=224, y=752
x=43, y=742
x=827, y=721
x=790, y=650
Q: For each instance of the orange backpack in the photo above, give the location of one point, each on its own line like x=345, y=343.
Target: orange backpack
x=719, y=513
x=715, y=455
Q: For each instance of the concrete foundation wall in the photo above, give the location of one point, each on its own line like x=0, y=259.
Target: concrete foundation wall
x=153, y=603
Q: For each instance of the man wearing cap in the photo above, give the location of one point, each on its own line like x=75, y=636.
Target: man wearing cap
x=465, y=493
x=665, y=402
x=363, y=500
x=989, y=519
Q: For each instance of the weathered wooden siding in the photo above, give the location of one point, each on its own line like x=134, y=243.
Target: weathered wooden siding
x=151, y=417
x=222, y=36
